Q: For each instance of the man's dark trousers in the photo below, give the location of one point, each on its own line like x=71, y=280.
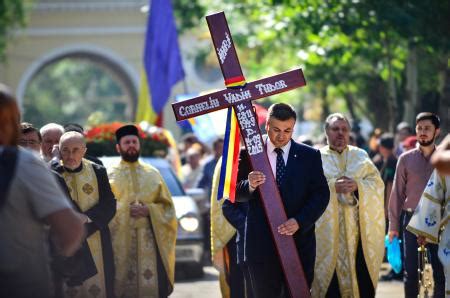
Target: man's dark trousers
x=411, y=263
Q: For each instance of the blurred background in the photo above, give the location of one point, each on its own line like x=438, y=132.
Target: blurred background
x=379, y=62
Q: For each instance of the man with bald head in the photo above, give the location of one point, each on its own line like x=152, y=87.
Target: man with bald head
x=50, y=133
x=90, y=190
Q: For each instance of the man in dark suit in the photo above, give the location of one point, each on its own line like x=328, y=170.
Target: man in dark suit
x=305, y=195
x=235, y=214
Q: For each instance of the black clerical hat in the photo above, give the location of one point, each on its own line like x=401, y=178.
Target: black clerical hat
x=126, y=130
x=73, y=127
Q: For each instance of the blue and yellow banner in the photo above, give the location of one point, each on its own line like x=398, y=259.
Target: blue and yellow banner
x=163, y=67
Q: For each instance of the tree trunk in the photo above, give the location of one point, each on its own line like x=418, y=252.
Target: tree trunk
x=349, y=101
x=411, y=85
x=325, y=103
x=444, y=90
x=378, y=104
x=392, y=90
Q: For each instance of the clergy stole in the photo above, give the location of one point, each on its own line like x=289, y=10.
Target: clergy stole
x=136, y=242
x=342, y=225
x=221, y=233
x=83, y=187
x=431, y=219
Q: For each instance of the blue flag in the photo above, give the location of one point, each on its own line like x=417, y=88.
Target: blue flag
x=162, y=59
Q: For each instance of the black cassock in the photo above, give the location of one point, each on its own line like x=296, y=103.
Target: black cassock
x=100, y=215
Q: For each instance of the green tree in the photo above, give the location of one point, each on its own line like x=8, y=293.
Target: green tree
x=188, y=13
x=374, y=56
x=13, y=15
x=73, y=90
x=83, y=91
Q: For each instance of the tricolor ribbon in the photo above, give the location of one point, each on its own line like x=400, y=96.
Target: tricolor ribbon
x=230, y=158
x=238, y=81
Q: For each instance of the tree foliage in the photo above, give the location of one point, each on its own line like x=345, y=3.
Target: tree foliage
x=81, y=91
x=12, y=15
x=358, y=56
x=188, y=13
x=73, y=90
x=352, y=51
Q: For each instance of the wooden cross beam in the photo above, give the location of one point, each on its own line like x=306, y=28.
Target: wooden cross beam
x=239, y=95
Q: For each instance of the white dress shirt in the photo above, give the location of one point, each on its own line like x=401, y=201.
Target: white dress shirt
x=272, y=155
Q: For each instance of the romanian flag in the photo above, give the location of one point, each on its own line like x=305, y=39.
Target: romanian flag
x=162, y=62
x=230, y=158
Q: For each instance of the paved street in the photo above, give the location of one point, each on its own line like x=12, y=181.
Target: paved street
x=208, y=287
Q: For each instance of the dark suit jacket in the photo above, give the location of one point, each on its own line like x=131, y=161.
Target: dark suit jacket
x=305, y=195
x=235, y=213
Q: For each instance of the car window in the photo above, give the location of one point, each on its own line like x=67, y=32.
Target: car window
x=173, y=184
x=171, y=181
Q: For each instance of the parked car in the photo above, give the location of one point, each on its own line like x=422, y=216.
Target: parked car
x=189, y=245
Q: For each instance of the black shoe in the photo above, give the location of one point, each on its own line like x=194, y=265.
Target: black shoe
x=392, y=276
x=398, y=276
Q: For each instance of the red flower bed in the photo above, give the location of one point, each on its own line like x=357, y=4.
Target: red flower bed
x=101, y=140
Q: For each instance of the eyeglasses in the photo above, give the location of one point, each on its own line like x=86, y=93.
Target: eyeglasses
x=76, y=150
x=28, y=142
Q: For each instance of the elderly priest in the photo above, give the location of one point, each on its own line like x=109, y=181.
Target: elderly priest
x=90, y=190
x=350, y=233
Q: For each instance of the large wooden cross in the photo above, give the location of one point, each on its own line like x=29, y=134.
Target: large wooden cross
x=239, y=95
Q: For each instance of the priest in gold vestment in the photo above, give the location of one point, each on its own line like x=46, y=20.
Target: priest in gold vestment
x=350, y=234
x=223, y=241
x=431, y=220
x=90, y=191
x=145, y=226
x=221, y=233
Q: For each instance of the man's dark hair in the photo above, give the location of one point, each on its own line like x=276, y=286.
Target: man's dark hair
x=217, y=142
x=73, y=127
x=387, y=140
x=9, y=116
x=189, y=138
x=282, y=111
x=429, y=116
x=26, y=127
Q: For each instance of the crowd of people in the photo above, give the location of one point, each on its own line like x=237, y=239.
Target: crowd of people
x=69, y=227
x=374, y=190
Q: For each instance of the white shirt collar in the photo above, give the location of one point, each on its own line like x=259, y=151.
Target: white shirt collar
x=285, y=148
x=272, y=155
